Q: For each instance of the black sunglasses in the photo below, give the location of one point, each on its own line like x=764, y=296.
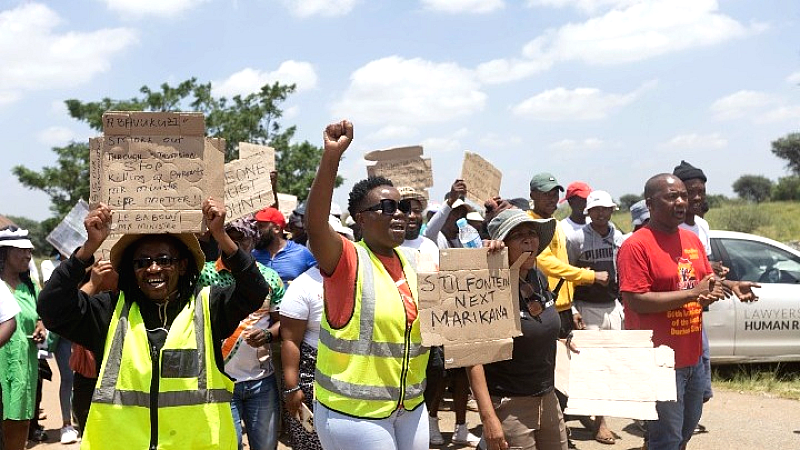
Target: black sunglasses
x=388, y=207
x=161, y=261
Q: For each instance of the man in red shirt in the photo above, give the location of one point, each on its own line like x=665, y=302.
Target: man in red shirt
x=665, y=280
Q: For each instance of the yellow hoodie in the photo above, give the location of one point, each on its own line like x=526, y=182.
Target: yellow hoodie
x=554, y=262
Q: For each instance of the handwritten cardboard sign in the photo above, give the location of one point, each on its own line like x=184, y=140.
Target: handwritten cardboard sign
x=481, y=177
x=70, y=233
x=404, y=166
x=154, y=169
x=471, y=306
x=247, y=183
x=267, y=153
x=616, y=373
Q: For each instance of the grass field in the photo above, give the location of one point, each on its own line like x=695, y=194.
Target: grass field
x=776, y=220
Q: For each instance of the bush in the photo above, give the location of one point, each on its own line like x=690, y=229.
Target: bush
x=788, y=188
x=745, y=218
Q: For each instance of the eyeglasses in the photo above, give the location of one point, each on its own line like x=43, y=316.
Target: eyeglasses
x=161, y=261
x=388, y=207
x=522, y=234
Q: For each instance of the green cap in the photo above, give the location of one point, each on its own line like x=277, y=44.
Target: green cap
x=545, y=182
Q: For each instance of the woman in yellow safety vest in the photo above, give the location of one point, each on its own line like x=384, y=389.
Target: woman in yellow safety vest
x=161, y=384
x=370, y=361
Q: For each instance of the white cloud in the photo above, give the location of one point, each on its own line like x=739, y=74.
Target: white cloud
x=8, y=97
x=696, y=141
x=464, y=6
x=248, y=80
x=741, y=103
x=577, y=104
x=35, y=56
x=445, y=144
x=327, y=8
x=495, y=141
x=794, y=78
x=578, y=145
x=587, y=6
x=56, y=136
x=393, y=133
x=633, y=31
x=159, y=8
x=408, y=92
x=780, y=114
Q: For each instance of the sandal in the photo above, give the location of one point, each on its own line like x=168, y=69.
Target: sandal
x=608, y=440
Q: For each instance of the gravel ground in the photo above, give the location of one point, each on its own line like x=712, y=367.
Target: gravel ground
x=734, y=421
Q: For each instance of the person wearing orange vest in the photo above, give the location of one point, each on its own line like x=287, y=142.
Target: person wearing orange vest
x=161, y=383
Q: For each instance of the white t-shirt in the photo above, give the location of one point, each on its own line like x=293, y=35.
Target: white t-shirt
x=303, y=301
x=8, y=304
x=428, y=253
x=571, y=226
x=246, y=363
x=701, y=229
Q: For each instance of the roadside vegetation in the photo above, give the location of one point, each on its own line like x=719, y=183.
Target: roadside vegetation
x=777, y=379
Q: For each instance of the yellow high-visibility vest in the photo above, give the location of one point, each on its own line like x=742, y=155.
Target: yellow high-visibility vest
x=191, y=404
x=375, y=364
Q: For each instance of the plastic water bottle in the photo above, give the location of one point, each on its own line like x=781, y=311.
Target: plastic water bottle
x=468, y=235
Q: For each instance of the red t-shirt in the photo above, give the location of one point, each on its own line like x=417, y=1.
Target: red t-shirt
x=340, y=286
x=654, y=261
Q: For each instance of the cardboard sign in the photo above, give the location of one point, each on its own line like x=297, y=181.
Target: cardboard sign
x=481, y=177
x=404, y=166
x=70, y=233
x=154, y=169
x=616, y=373
x=247, y=183
x=267, y=153
x=286, y=204
x=471, y=306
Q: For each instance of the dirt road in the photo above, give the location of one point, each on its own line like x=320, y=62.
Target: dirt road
x=734, y=421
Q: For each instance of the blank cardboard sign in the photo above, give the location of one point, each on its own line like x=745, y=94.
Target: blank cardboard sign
x=470, y=306
x=616, y=373
x=154, y=169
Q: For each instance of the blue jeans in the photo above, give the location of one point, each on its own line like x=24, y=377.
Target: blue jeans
x=677, y=420
x=707, y=392
x=256, y=402
x=403, y=430
x=63, y=351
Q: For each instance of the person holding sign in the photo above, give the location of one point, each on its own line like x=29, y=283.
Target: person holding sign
x=161, y=383
x=371, y=363
x=516, y=398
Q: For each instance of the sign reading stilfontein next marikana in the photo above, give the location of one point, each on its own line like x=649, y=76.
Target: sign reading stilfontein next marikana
x=471, y=306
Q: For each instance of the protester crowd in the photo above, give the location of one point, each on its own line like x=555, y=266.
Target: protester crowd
x=308, y=326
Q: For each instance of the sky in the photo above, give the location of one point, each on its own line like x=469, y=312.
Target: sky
x=610, y=92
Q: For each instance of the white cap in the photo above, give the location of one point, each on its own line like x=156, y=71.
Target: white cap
x=599, y=198
x=336, y=210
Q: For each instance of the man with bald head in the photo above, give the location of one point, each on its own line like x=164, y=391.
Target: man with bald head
x=665, y=281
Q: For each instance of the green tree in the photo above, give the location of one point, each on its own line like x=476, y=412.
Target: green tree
x=787, y=188
x=788, y=148
x=754, y=188
x=627, y=200
x=65, y=183
x=251, y=118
